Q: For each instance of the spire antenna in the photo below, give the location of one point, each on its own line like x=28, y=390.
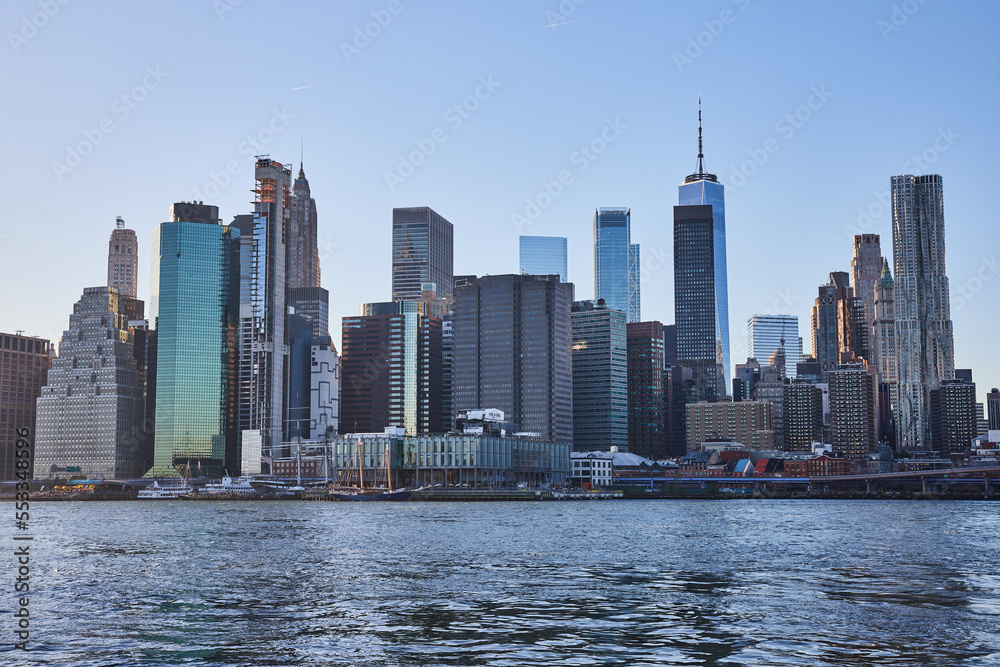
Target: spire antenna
x=701, y=174
x=701, y=155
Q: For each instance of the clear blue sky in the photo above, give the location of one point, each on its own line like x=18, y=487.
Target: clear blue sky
x=895, y=79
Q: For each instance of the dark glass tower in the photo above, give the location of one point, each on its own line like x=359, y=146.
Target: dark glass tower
x=704, y=189
x=512, y=351
x=392, y=369
x=600, y=377
x=698, y=346
x=421, y=253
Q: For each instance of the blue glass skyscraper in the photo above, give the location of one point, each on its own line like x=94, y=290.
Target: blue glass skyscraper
x=193, y=306
x=543, y=256
x=700, y=189
x=616, y=262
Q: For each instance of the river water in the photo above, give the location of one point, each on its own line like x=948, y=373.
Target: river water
x=537, y=583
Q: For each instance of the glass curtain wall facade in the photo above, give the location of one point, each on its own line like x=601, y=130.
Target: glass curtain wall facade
x=616, y=261
x=511, y=351
x=600, y=377
x=698, y=342
x=262, y=305
x=767, y=333
x=543, y=256
x=704, y=190
x=422, y=252
x=194, y=281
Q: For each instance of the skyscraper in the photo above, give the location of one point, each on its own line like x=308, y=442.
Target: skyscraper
x=884, y=354
x=704, y=189
x=839, y=330
x=803, y=415
x=543, y=256
x=91, y=408
x=853, y=411
x=767, y=333
x=924, y=337
x=993, y=409
x=647, y=402
x=866, y=269
x=262, y=311
x=194, y=307
x=600, y=377
x=699, y=346
x=512, y=351
x=302, y=261
x=616, y=262
x=392, y=369
x=123, y=259
x=953, y=416
x=24, y=369
x=314, y=303
x=421, y=253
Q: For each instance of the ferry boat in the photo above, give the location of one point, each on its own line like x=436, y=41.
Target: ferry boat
x=167, y=490
x=240, y=486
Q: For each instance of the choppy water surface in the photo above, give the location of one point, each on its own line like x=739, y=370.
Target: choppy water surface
x=556, y=583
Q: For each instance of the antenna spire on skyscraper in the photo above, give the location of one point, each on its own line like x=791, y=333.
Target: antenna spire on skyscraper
x=701, y=174
x=701, y=155
x=302, y=145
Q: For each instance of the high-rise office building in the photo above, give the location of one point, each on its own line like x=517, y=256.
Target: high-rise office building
x=421, y=253
x=24, y=369
x=953, y=416
x=512, y=351
x=839, y=332
x=853, y=410
x=616, y=262
x=803, y=415
x=884, y=355
x=924, y=338
x=123, y=259
x=314, y=303
x=993, y=409
x=298, y=367
x=91, y=408
x=767, y=333
x=262, y=313
x=194, y=308
x=600, y=377
x=391, y=369
x=647, y=418
x=543, y=256
x=866, y=269
x=745, y=379
x=704, y=189
x=302, y=268
x=699, y=346
x=770, y=388
x=680, y=390
x=669, y=345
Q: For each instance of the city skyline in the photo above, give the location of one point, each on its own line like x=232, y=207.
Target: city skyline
x=950, y=136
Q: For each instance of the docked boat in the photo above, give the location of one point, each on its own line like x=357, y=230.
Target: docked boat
x=361, y=493
x=165, y=490
x=240, y=486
